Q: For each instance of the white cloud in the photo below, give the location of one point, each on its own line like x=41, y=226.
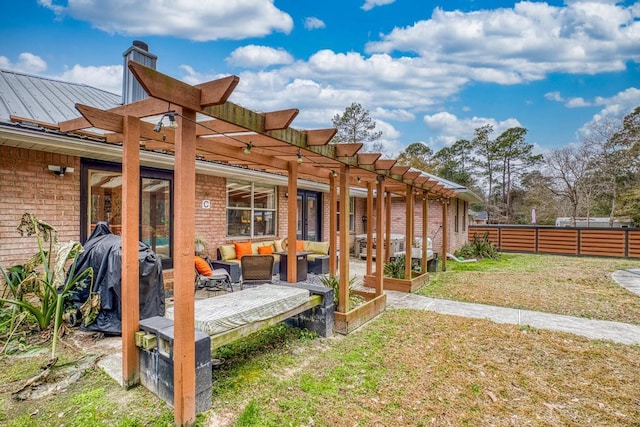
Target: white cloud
x=554, y=96
x=370, y=4
x=258, y=57
x=313, y=23
x=399, y=115
x=106, y=77
x=615, y=107
x=449, y=128
x=523, y=43
x=618, y=105
x=190, y=19
x=27, y=63
x=577, y=102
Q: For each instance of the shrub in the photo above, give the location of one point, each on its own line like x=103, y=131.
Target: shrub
x=333, y=282
x=395, y=268
x=479, y=247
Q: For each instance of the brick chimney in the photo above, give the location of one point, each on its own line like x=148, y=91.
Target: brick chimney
x=132, y=90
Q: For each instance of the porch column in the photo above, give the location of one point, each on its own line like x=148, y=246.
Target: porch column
x=292, y=219
x=369, y=227
x=387, y=234
x=343, y=293
x=184, y=218
x=333, y=226
x=408, y=232
x=379, y=237
x=130, y=236
x=425, y=227
x=445, y=234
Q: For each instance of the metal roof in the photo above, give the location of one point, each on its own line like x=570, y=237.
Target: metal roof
x=47, y=100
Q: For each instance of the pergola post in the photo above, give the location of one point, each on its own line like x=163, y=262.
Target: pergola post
x=369, y=227
x=130, y=235
x=292, y=218
x=425, y=229
x=387, y=234
x=379, y=240
x=408, y=232
x=445, y=234
x=333, y=226
x=184, y=360
x=343, y=297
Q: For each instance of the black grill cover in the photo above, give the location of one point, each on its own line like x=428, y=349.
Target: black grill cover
x=103, y=253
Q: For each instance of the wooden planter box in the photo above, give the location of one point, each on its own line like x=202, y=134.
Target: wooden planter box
x=353, y=319
x=402, y=285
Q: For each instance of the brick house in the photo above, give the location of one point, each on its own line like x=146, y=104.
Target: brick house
x=73, y=180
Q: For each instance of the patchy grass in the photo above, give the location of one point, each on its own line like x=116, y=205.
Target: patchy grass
x=94, y=400
x=405, y=367
x=555, y=284
x=456, y=371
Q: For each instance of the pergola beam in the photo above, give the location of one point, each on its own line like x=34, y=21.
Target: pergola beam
x=320, y=136
x=367, y=158
x=113, y=122
x=276, y=120
x=347, y=150
x=174, y=91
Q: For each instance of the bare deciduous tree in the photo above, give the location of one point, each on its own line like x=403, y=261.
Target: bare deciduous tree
x=568, y=167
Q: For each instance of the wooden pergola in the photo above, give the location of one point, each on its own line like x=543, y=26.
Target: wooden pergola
x=213, y=129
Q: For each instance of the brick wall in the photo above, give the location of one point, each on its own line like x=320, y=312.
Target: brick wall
x=211, y=224
x=26, y=185
x=434, y=222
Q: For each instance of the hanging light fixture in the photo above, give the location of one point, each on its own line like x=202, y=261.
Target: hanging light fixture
x=299, y=157
x=247, y=149
x=173, y=123
x=334, y=173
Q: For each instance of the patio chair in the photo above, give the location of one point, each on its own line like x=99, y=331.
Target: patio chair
x=256, y=269
x=209, y=278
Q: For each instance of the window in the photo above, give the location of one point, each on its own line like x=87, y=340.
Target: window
x=251, y=209
x=464, y=216
x=456, y=216
x=101, y=200
x=352, y=214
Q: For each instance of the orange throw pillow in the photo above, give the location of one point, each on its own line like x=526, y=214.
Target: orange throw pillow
x=265, y=250
x=300, y=245
x=242, y=249
x=203, y=267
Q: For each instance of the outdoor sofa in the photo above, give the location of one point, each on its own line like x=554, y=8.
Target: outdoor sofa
x=228, y=258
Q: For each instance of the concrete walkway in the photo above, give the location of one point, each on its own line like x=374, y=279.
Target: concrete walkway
x=596, y=329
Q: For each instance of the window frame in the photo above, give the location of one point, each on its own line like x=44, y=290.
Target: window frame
x=252, y=209
x=145, y=172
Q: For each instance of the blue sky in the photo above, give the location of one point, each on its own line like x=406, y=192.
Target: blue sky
x=429, y=71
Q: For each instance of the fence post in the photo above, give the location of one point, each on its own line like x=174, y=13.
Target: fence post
x=626, y=243
x=578, y=246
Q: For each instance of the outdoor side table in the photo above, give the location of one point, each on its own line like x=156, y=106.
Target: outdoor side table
x=301, y=266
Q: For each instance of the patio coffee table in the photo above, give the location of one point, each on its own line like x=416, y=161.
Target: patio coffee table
x=301, y=266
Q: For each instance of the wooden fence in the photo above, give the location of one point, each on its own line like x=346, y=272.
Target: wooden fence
x=579, y=241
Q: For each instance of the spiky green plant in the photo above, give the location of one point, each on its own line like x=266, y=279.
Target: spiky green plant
x=44, y=276
x=333, y=282
x=395, y=268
